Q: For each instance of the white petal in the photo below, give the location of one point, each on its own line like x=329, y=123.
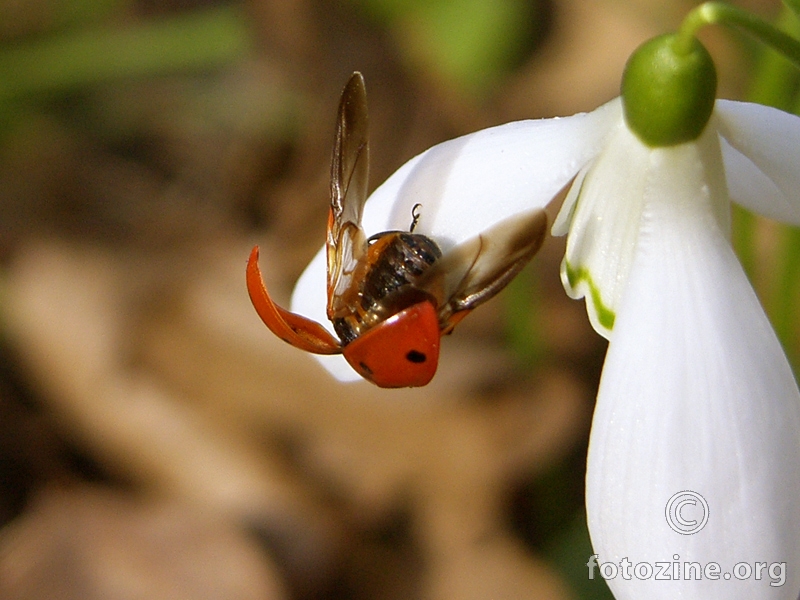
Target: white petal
x=762, y=158
x=468, y=184
x=696, y=395
x=564, y=217
x=465, y=186
x=608, y=201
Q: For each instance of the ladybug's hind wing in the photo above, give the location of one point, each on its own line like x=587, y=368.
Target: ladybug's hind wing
x=346, y=243
x=480, y=267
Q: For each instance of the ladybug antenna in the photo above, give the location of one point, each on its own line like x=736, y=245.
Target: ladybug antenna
x=415, y=215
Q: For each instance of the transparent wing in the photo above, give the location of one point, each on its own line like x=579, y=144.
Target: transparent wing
x=479, y=268
x=346, y=243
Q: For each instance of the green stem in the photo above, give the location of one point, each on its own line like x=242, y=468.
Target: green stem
x=775, y=80
x=794, y=5
x=710, y=13
x=196, y=41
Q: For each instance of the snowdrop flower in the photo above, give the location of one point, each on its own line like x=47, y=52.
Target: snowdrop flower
x=696, y=394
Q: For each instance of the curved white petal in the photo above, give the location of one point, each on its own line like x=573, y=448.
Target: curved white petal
x=465, y=186
x=761, y=150
x=696, y=395
x=607, y=202
x=468, y=184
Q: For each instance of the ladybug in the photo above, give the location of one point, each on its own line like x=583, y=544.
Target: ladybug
x=393, y=295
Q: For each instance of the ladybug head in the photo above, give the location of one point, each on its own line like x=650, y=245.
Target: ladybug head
x=402, y=351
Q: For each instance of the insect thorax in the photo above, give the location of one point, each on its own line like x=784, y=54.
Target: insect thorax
x=396, y=260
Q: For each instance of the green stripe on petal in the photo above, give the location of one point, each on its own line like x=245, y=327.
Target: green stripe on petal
x=605, y=205
x=604, y=315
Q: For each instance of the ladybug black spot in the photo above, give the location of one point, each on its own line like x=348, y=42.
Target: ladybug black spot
x=416, y=357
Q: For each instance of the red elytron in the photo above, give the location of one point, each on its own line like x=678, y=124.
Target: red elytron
x=392, y=296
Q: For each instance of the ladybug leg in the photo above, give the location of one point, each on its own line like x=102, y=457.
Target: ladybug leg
x=453, y=320
x=297, y=330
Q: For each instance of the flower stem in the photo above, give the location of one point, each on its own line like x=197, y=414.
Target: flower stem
x=794, y=5
x=775, y=80
x=710, y=13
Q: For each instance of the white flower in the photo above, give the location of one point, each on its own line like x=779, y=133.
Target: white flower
x=696, y=393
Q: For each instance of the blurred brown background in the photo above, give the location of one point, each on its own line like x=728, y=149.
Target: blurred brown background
x=156, y=441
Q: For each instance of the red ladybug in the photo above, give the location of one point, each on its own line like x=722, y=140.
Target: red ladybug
x=392, y=296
